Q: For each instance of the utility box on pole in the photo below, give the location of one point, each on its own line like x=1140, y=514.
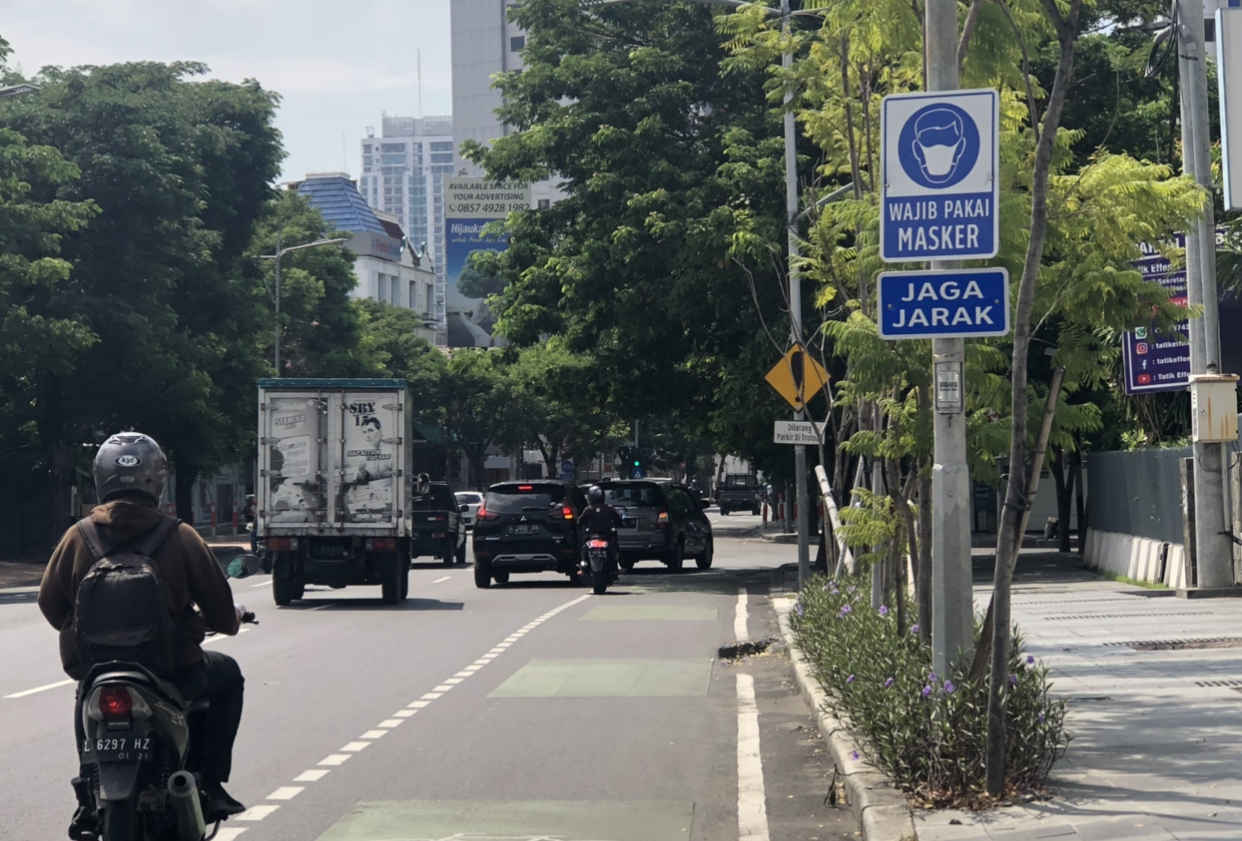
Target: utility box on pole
x=1213, y=408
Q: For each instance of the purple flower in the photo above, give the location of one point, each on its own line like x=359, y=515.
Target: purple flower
x=845, y=609
x=926, y=691
x=1030, y=661
x=849, y=679
x=914, y=629
x=888, y=683
x=855, y=755
x=1041, y=718
x=884, y=610
x=931, y=677
x=799, y=608
x=1013, y=679
x=949, y=687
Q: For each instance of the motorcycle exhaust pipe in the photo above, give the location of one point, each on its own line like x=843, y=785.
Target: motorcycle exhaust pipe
x=183, y=795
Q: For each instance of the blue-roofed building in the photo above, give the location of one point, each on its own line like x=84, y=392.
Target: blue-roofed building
x=386, y=267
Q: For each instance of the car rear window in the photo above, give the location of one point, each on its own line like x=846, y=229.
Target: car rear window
x=740, y=482
x=514, y=499
x=469, y=498
x=439, y=499
x=641, y=496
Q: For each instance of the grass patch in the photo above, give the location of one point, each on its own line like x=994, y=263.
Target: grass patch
x=1125, y=579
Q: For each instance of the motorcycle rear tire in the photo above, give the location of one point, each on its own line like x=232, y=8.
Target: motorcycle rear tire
x=121, y=821
x=599, y=582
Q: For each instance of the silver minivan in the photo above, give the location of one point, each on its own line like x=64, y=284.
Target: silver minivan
x=660, y=521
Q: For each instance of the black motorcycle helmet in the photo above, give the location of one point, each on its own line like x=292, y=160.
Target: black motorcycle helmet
x=595, y=495
x=129, y=463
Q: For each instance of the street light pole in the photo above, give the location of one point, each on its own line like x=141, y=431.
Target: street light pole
x=275, y=258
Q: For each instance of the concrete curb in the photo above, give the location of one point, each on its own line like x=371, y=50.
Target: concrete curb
x=881, y=810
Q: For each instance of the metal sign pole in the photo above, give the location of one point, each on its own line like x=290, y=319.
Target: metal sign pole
x=952, y=606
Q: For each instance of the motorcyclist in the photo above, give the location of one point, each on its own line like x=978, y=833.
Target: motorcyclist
x=599, y=519
x=130, y=472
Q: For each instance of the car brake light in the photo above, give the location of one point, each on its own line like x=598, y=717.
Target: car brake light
x=568, y=512
x=662, y=520
x=526, y=487
x=483, y=515
x=115, y=702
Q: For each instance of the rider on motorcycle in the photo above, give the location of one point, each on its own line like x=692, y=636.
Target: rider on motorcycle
x=599, y=519
x=130, y=472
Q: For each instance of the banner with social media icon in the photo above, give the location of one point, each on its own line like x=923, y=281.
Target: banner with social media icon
x=939, y=169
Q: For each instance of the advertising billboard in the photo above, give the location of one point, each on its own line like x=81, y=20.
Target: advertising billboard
x=473, y=203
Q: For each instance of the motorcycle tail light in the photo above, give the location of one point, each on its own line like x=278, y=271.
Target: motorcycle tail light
x=598, y=544
x=662, y=520
x=115, y=702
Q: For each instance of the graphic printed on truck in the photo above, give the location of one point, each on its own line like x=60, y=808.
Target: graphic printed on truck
x=295, y=492
x=369, y=466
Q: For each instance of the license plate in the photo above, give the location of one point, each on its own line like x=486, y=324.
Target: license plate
x=121, y=748
x=530, y=529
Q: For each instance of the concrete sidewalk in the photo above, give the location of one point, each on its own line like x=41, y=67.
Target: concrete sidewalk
x=1157, y=725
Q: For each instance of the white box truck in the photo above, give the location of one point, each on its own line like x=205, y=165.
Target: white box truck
x=332, y=503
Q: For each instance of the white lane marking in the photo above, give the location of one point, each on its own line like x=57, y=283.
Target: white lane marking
x=431, y=696
x=478, y=664
x=229, y=834
x=404, y=713
x=391, y=722
x=442, y=688
x=418, y=705
x=354, y=747
x=286, y=793
x=752, y=810
x=256, y=813
x=262, y=584
x=56, y=685
x=219, y=637
x=439, y=580
x=739, y=618
x=464, y=673
x=314, y=775
x=453, y=681
x=335, y=759
x=320, y=607
x=373, y=734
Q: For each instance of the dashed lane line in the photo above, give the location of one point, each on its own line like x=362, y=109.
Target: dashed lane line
x=285, y=793
x=440, y=580
x=229, y=834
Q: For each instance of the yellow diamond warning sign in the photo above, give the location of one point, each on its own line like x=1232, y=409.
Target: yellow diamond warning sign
x=797, y=377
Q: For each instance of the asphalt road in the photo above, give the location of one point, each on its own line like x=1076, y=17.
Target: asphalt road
x=530, y=711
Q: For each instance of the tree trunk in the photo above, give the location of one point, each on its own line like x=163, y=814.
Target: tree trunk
x=183, y=490
x=1063, y=477
x=1016, y=508
x=58, y=455
x=923, y=590
x=1076, y=472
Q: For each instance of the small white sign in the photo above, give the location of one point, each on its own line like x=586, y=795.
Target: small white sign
x=797, y=432
x=1228, y=68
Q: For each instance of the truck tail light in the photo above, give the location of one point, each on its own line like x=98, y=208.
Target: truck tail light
x=662, y=520
x=381, y=544
x=281, y=544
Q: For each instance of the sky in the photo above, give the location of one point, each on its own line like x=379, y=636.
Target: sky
x=338, y=66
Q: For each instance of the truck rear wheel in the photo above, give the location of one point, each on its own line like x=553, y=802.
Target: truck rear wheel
x=460, y=557
x=390, y=589
x=284, y=590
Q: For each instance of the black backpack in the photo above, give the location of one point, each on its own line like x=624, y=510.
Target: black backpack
x=121, y=613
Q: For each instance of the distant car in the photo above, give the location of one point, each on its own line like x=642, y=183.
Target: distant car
x=470, y=502
x=740, y=492
x=527, y=527
x=436, y=525
x=661, y=521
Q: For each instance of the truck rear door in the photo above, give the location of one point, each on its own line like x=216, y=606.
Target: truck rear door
x=292, y=449
x=368, y=476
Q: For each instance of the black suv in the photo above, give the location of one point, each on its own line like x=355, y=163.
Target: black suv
x=436, y=525
x=527, y=527
x=661, y=520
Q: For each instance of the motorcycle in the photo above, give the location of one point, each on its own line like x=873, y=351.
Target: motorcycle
x=140, y=748
x=596, y=565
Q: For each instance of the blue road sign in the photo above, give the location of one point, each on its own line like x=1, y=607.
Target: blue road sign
x=960, y=303
x=638, y=473
x=939, y=167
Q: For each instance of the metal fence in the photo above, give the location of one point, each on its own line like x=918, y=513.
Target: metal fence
x=1138, y=493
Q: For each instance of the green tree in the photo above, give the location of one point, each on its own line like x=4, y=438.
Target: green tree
x=479, y=279
x=178, y=169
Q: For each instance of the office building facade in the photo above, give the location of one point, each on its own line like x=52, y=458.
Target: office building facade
x=403, y=173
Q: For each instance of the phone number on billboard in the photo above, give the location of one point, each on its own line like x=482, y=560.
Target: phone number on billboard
x=483, y=207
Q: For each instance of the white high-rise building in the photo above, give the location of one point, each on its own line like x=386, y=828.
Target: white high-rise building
x=485, y=43
x=403, y=173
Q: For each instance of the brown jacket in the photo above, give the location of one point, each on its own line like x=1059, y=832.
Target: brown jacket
x=187, y=568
